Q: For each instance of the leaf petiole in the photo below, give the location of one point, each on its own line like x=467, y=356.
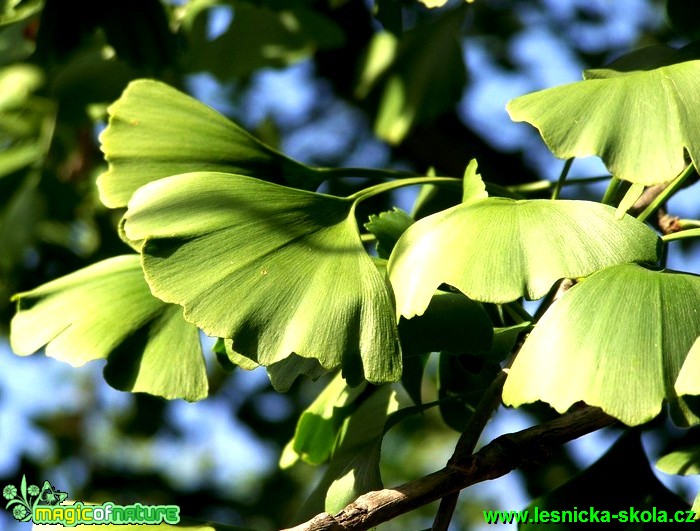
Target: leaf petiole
x=377, y=189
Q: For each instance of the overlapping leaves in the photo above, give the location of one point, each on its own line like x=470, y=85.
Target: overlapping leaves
x=609, y=114
x=497, y=249
x=276, y=270
x=156, y=131
x=617, y=340
x=106, y=311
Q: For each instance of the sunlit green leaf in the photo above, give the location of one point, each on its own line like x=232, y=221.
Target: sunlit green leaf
x=617, y=340
x=156, y=131
x=688, y=382
x=276, y=270
x=684, y=462
x=317, y=430
x=497, y=249
x=474, y=188
x=597, y=116
x=18, y=157
x=106, y=311
x=16, y=11
x=354, y=467
x=605, y=493
x=17, y=82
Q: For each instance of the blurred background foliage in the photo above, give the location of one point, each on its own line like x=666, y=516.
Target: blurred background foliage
x=389, y=83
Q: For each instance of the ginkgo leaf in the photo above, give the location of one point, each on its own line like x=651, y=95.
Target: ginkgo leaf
x=688, y=382
x=156, y=131
x=276, y=270
x=497, y=249
x=282, y=374
x=106, y=311
x=684, y=461
x=639, y=122
x=616, y=340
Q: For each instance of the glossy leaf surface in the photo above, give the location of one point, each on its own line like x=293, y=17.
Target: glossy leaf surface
x=276, y=270
x=106, y=311
x=617, y=340
x=497, y=249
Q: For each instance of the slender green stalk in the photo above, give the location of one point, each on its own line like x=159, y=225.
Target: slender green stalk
x=611, y=191
x=366, y=193
x=667, y=193
x=368, y=237
x=689, y=223
x=373, y=173
x=544, y=185
x=562, y=177
x=517, y=311
x=681, y=235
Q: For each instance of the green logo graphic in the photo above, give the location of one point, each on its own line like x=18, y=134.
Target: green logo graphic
x=22, y=502
x=45, y=506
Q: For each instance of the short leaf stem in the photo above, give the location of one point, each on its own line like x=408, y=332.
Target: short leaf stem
x=667, y=193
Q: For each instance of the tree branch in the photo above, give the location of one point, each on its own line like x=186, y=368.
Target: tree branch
x=496, y=459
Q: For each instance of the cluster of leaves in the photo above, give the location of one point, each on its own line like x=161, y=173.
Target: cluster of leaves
x=233, y=238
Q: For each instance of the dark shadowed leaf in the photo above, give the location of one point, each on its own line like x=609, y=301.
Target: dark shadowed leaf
x=258, y=37
x=106, y=311
x=277, y=270
x=498, y=250
x=616, y=340
x=388, y=227
x=617, y=483
x=451, y=322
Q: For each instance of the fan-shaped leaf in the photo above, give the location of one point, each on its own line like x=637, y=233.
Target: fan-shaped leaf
x=106, y=311
x=498, y=249
x=638, y=122
x=276, y=270
x=617, y=340
x=156, y=131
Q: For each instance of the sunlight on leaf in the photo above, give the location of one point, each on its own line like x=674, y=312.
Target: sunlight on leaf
x=497, y=250
x=417, y=88
x=688, y=382
x=156, y=131
x=638, y=122
x=354, y=466
x=106, y=311
x=617, y=340
x=276, y=270
x=317, y=428
x=474, y=188
x=684, y=462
